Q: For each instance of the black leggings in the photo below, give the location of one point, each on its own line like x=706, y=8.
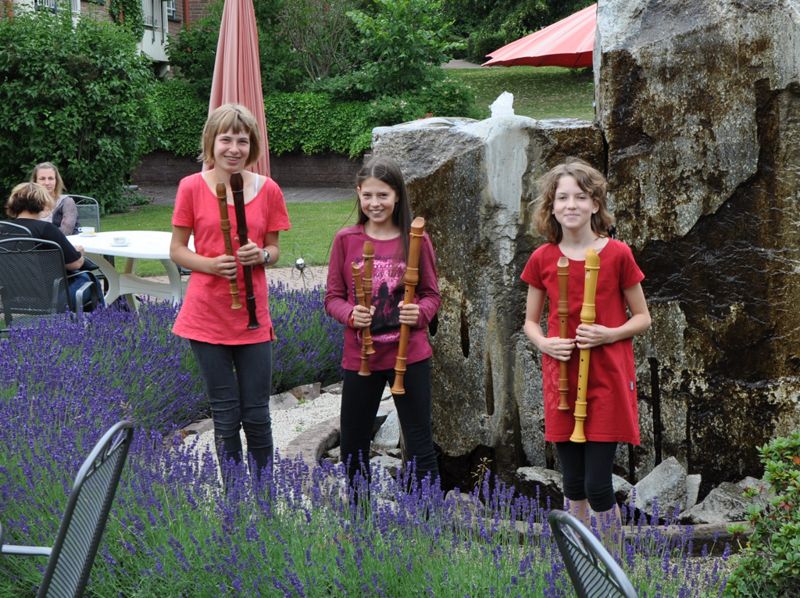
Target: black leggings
x=238, y=381
x=587, y=468
x=361, y=396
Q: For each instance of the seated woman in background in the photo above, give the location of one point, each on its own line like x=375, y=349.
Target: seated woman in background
x=25, y=205
x=64, y=213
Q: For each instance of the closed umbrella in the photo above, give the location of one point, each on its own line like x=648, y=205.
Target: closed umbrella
x=568, y=42
x=237, y=69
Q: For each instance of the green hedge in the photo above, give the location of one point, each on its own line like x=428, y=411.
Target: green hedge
x=77, y=95
x=307, y=122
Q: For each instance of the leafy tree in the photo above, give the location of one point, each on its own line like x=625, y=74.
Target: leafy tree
x=77, y=95
x=321, y=34
x=193, y=50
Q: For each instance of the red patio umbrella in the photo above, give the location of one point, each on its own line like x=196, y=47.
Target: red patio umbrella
x=237, y=69
x=568, y=42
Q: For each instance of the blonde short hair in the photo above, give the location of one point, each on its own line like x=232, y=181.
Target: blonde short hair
x=589, y=179
x=237, y=119
x=28, y=197
x=58, y=190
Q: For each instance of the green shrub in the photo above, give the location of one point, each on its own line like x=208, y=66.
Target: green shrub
x=770, y=565
x=75, y=95
x=193, y=50
x=180, y=116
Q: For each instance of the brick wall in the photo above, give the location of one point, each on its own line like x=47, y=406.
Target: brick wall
x=292, y=170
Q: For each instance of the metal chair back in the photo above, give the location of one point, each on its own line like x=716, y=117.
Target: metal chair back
x=593, y=571
x=9, y=229
x=75, y=548
x=88, y=211
x=34, y=280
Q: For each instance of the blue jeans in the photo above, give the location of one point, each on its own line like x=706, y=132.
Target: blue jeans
x=238, y=381
x=77, y=280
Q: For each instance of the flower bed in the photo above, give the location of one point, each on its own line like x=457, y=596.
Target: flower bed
x=173, y=532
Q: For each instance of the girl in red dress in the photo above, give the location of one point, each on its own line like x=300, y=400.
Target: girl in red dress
x=571, y=213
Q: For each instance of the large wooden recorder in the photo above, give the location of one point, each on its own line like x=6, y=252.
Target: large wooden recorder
x=562, y=268
x=410, y=279
x=588, y=314
x=225, y=225
x=237, y=188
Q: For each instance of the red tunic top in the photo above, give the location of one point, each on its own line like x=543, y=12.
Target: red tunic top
x=612, y=411
x=206, y=313
x=387, y=292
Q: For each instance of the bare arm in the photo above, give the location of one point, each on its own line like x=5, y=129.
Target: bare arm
x=593, y=335
x=179, y=252
x=558, y=348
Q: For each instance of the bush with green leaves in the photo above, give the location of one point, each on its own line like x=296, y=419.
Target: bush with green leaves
x=770, y=564
x=308, y=122
x=77, y=95
x=192, y=52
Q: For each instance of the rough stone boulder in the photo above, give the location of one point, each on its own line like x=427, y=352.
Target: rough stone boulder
x=699, y=104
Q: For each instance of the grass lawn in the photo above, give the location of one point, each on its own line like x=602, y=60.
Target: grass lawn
x=539, y=92
x=313, y=228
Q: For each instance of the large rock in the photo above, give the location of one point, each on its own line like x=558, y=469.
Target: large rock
x=663, y=489
x=473, y=181
x=699, y=103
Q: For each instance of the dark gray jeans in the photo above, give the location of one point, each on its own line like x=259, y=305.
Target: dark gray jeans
x=238, y=381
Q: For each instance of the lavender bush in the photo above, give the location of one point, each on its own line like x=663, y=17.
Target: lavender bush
x=173, y=532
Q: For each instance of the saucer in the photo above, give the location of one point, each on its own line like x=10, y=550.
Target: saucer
x=87, y=234
x=123, y=244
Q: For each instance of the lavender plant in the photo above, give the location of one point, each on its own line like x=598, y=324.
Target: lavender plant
x=173, y=532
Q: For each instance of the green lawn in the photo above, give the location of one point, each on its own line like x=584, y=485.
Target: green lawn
x=313, y=228
x=539, y=92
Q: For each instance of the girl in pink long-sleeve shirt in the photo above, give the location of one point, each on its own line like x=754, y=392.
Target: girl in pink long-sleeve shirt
x=385, y=219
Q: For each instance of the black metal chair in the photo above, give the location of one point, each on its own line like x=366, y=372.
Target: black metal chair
x=9, y=229
x=88, y=211
x=34, y=281
x=593, y=571
x=72, y=555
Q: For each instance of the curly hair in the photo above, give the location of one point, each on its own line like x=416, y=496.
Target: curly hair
x=589, y=179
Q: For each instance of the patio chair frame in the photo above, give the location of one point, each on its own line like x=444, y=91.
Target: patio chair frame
x=72, y=555
x=593, y=571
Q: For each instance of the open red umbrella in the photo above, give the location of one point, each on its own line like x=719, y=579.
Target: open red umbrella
x=237, y=69
x=568, y=42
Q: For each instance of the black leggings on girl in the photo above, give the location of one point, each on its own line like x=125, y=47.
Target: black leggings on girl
x=361, y=397
x=587, y=468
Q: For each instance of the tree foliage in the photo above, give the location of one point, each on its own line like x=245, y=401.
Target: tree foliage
x=76, y=95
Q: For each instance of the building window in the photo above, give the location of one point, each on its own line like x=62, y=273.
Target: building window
x=172, y=10
x=50, y=5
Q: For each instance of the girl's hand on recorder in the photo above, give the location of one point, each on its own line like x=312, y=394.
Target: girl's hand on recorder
x=593, y=335
x=409, y=313
x=361, y=317
x=224, y=266
x=250, y=254
x=557, y=348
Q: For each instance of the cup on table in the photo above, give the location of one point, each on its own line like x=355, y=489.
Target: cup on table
x=119, y=240
x=86, y=231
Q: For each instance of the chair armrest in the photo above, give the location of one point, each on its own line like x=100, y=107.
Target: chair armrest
x=25, y=550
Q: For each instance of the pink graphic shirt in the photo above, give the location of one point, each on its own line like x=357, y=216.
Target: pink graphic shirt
x=387, y=292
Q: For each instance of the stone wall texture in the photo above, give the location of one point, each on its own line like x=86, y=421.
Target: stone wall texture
x=698, y=130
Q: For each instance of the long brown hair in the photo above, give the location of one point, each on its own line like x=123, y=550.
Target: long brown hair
x=589, y=179
x=388, y=171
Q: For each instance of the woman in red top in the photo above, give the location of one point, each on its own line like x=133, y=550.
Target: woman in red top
x=384, y=218
x=571, y=212
x=236, y=362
